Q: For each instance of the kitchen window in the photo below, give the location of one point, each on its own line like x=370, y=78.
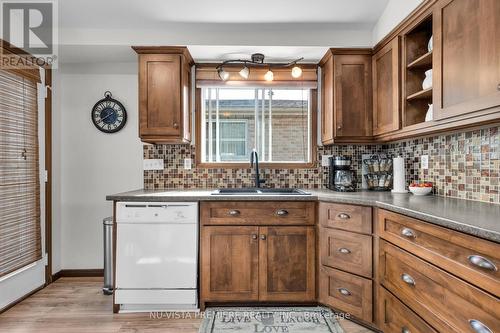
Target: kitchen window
x=274, y=121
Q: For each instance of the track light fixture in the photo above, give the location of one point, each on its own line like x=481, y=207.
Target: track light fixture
x=257, y=60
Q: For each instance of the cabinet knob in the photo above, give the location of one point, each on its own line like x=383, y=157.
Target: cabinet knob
x=408, y=279
x=344, y=216
x=498, y=87
x=482, y=262
x=254, y=236
x=176, y=125
x=405, y=329
x=479, y=327
x=263, y=237
x=234, y=212
x=344, y=250
x=281, y=212
x=407, y=232
x=344, y=291
x=339, y=127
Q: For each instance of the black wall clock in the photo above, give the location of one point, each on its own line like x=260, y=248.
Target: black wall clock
x=109, y=115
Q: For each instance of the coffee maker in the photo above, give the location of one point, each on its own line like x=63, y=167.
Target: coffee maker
x=341, y=177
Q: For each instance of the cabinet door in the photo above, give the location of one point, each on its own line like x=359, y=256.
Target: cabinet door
x=327, y=102
x=287, y=264
x=466, y=56
x=353, y=96
x=386, y=89
x=229, y=263
x=160, y=99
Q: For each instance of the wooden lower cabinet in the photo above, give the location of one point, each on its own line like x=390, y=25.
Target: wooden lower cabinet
x=397, y=317
x=346, y=292
x=229, y=263
x=287, y=264
x=249, y=264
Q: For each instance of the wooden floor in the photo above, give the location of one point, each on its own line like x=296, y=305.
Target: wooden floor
x=78, y=305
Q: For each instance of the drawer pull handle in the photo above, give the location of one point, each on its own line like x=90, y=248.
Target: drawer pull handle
x=407, y=232
x=344, y=216
x=405, y=330
x=344, y=250
x=263, y=237
x=344, y=291
x=482, y=262
x=234, y=212
x=282, y=212
x=254, y=236
x=479, y=327
x=408, y=279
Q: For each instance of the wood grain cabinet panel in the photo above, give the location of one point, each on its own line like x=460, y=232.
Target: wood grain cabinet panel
x=287, y=264
x=346, y=250
x=229, y=263
x=473, y=259
x=164, y=94
x=386, y=88
x=466, y=57
x=346, y=292
x=346, y=217
x=258, y=213
x=346, y=110
x=398, y=318
x=447, y=303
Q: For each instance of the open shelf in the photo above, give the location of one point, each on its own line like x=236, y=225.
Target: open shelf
x=422, y=94
x=424, y=61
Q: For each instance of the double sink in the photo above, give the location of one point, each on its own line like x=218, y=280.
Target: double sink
x=259, y=191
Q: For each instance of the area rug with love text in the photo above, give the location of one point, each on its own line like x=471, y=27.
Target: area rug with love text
x=270, y=320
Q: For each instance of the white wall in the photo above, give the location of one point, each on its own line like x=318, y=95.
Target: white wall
x=393, y=14
x=92, y=164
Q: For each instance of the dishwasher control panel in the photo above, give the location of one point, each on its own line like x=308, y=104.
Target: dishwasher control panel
x=156, y=212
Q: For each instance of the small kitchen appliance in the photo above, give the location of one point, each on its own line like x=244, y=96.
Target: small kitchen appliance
x=341, y=177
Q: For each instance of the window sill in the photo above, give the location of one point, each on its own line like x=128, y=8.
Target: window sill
x=263, y=165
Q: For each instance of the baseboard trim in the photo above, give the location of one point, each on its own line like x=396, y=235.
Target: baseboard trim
x=78, y=273
x=22, y=298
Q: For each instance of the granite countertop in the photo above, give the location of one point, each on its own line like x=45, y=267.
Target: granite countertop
x=471, y=217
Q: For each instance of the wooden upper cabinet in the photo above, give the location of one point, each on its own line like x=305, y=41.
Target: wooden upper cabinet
x=287, y=264
x=466, y=57
x=386, y=88
x=346, y=96
x=164, y=94
x=229, y=263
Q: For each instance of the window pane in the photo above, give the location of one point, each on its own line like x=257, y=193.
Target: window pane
x=238, y=120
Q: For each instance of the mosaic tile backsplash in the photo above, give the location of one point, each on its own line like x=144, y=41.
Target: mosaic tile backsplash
x=461, y=165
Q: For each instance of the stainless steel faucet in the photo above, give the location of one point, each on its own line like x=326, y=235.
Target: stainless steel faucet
x=254, y=160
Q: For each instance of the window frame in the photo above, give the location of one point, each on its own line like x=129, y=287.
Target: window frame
x=268, y=165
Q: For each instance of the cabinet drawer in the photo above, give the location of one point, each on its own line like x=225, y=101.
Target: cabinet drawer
x=258, y=213
x=346, y=217
x=457, y=253
x=444, y=301
x=346, y=292
x=397, y=318
x=347, y=251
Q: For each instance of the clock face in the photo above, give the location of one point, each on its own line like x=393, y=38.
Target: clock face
x=109, y=115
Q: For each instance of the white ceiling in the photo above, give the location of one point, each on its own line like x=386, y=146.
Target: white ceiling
x=103, y=30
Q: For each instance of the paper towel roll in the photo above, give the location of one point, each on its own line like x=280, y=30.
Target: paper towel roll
x=399, y=175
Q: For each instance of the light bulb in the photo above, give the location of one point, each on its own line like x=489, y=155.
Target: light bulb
x=269, y=76
x=245, y=72
x=223, y=74
x=296, y=72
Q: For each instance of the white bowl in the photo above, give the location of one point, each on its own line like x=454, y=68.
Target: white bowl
x=420, y=190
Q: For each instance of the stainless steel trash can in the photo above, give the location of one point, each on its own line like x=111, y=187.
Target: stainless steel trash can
x=107, y=226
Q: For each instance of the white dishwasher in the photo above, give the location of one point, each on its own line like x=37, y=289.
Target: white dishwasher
x=156, y=256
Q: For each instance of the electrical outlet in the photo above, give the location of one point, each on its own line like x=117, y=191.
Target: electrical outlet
x=152, y=164
x=424, y=162
x=325, y=160
x=188, y=163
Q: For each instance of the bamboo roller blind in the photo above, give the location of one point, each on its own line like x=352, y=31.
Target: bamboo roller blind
x=20, y=235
